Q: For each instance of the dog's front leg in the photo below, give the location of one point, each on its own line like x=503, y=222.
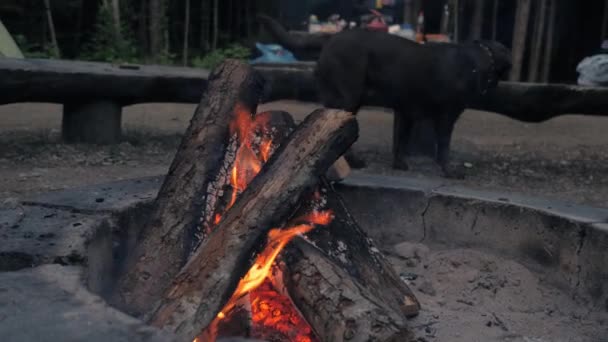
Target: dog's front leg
x=444, y=126
x=402, y=129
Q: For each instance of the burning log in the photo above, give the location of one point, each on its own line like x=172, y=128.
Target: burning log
x=334, y=304
x=235, y=176
x=162, y=251
x=212, y=274
x=351, y=248
x=342, y=284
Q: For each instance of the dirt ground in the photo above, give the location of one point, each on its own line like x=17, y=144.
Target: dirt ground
x=564, y=158
x=472, y=296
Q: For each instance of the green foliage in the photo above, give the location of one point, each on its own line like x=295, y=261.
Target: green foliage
x=214, y=58
x=33, y=50
x=105, y=46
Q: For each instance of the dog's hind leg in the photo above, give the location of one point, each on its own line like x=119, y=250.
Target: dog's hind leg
x=444, y=127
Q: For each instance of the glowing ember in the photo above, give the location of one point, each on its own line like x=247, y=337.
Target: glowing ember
x=275, y=318
x=277, y=240
x=272, y=312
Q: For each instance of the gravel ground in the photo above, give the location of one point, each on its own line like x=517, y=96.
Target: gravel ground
x=564, y=158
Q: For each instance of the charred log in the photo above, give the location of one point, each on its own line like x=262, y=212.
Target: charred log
x=164, y=241
x=342, y=284
x=210, y=277
x=338, y=307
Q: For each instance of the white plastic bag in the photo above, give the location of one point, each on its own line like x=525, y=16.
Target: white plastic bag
x=593, y=71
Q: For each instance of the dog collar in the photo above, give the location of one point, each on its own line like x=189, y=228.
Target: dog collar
x=490, y=79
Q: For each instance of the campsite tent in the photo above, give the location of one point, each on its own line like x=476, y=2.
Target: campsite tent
x=8, y=47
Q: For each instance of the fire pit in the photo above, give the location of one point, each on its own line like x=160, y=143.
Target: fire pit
x=210, y=263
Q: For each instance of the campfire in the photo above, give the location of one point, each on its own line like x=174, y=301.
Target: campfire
x=247, y=238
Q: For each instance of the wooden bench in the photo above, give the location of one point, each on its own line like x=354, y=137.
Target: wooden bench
x=93, y=95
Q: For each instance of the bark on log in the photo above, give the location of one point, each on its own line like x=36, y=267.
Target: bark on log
x=349, y=246
x=534, y=102
x=337, y=307
x=59, y=81
x=63, y=81
x=210, y=277
x=164, y=241
x=344, y=287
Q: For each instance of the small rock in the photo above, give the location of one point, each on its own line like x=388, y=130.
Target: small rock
x=427, y=288
x=409, y=250
x=408, y=276
x=465, y=302
x=99, y=200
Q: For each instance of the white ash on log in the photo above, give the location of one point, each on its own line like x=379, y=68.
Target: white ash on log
x=341, y=283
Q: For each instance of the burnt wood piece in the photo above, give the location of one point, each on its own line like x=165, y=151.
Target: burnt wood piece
x=207, y=281
x=337, y=307
x=164, y=241
x=349, y=246
x=343, y=286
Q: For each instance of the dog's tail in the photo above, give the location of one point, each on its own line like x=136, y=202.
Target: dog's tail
x=295, y=43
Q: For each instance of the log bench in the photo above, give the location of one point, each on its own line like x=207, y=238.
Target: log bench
x=93, y=95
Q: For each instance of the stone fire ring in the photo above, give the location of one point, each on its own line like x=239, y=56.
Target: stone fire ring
x=58, y=251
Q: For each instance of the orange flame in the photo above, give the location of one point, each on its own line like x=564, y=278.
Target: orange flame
x=277, y=240
x=265, y=149
x=246, y=166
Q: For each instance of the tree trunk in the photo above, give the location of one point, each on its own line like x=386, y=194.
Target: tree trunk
x=520, y=33
x=537, y=41
x=161, y=251
x=477, y=22
x=457, y=16
x=495, y=19
x=409, y=12
x=605, y=21
x=49, y=17
x=548, y=60
x=211, y=275
x=186, y=33
x=142, y=27
x=156, y=18
x=205, y=25
x=216, y=24
x=116, y=19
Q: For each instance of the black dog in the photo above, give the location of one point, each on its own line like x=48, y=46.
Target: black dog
x=417, y=81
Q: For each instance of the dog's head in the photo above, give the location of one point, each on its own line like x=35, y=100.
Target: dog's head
x=491, y=62
x=499, y=55
x=502, y=58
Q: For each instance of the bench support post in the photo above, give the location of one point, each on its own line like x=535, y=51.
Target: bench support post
x=96, y=122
